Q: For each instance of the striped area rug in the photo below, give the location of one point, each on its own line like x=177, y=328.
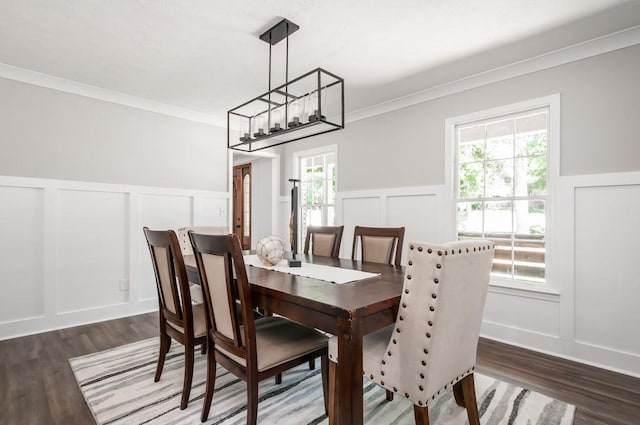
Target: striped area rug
x=119, y=389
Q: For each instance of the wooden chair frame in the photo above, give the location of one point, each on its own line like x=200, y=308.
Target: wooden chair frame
x=243, y=346
x=181, y=313
x=328, y=230
x=395, y=232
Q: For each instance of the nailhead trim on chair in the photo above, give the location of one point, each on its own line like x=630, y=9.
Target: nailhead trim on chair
x=430, y=323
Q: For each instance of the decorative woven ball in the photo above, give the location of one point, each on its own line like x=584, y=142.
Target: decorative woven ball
x=270, y=250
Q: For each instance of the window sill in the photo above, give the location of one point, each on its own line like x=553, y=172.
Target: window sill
x=539, y=291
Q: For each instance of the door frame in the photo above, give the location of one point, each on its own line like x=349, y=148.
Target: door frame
x=275, y=185
x=238, y=195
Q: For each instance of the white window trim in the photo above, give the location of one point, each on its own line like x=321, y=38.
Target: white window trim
x=322, y=150
x=313, y=152
x=549, y=289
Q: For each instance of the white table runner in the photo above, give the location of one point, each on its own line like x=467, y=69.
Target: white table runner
x=314, y=271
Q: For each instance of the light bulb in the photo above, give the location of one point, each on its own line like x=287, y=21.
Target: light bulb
x=258, y=129
x=295, y=110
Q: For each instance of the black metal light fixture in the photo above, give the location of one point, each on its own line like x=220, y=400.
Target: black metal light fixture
x=306, y=106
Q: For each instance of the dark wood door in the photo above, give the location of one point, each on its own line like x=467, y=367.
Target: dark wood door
x=242, y=204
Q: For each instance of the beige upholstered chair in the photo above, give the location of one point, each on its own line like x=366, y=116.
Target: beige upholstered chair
x=378, y=244
x=185, y=246
x=258, y=348
x=324, y=240
x=432, y=346
x=179, y=320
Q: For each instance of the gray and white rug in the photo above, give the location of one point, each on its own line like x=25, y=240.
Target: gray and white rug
x=119, y=389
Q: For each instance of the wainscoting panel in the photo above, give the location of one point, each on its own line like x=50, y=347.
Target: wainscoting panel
x=415, y=208
x=522, y=313
x=210, y=211
x=93, y=249
x=159, y=211
x=21, y=255
x=417, y=213
x=589, y=312
x=156, y=212
x=75, y=252
x=607, y=257
x=365, y=211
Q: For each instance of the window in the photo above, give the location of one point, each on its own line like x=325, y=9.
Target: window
x=317, y=173
x=502, y=176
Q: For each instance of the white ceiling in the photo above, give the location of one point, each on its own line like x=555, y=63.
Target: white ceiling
x=205, y=55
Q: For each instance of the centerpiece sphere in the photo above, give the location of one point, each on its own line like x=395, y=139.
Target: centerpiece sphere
x=270, y=250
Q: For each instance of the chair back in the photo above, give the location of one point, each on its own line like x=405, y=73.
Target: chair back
x=183, y=235
x=378, y=244
x=174, y=298
x=436, y=333
x=324, y=240
x=224, y=281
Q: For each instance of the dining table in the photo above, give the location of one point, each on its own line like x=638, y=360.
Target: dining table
x=347, y=310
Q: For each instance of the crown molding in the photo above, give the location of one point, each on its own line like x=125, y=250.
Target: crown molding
x=28, y=76
x=597, y=46
x=608, y=43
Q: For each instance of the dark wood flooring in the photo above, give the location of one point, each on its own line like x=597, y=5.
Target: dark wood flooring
x=38, y=387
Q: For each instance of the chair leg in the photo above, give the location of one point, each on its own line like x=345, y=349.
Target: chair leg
x=188, y=374
x=203, y=348
x=278, y=379
x=458, y=395
x=469, y=394
x=312, y=364
x=332, y=393
x=211, y=381
x=165, y=344
x=252, y=400
x=324, y=365
x=421, y=414
x=389, y=395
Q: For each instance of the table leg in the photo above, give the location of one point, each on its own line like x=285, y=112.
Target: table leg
x=349, y=385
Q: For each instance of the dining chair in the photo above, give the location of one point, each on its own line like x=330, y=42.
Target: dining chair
x=323, y=240
x=432, y=346
x=179, y=319
x=378, y=244
x=185, y=246
x=258, y=348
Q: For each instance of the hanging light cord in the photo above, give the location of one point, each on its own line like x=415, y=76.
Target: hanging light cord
x=269, y=105
x=286, y=81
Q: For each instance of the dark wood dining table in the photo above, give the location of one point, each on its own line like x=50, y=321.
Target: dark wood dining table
x=349, y=311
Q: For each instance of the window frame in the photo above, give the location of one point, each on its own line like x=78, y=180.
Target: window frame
x=548, y=289
x=297, y=157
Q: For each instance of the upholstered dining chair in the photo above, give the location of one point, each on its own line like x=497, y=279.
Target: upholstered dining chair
x=323, y=240
x=179, y=319
x=185, y=246
x=432, y=346
x=378, y=244
x=258, y=348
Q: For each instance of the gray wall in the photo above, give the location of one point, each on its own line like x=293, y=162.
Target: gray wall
x=600, y=112
x=50, y=134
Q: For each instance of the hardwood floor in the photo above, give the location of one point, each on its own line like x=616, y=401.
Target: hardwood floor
x=601, y=396
x=38, y=387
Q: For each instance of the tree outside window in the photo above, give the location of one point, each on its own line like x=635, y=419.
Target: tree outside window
x=317, y=191
x=502, y=190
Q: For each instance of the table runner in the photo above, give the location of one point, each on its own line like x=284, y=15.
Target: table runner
x=314, y=271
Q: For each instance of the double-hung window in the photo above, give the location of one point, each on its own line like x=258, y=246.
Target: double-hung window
x=501, y=194
x=317, y=173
